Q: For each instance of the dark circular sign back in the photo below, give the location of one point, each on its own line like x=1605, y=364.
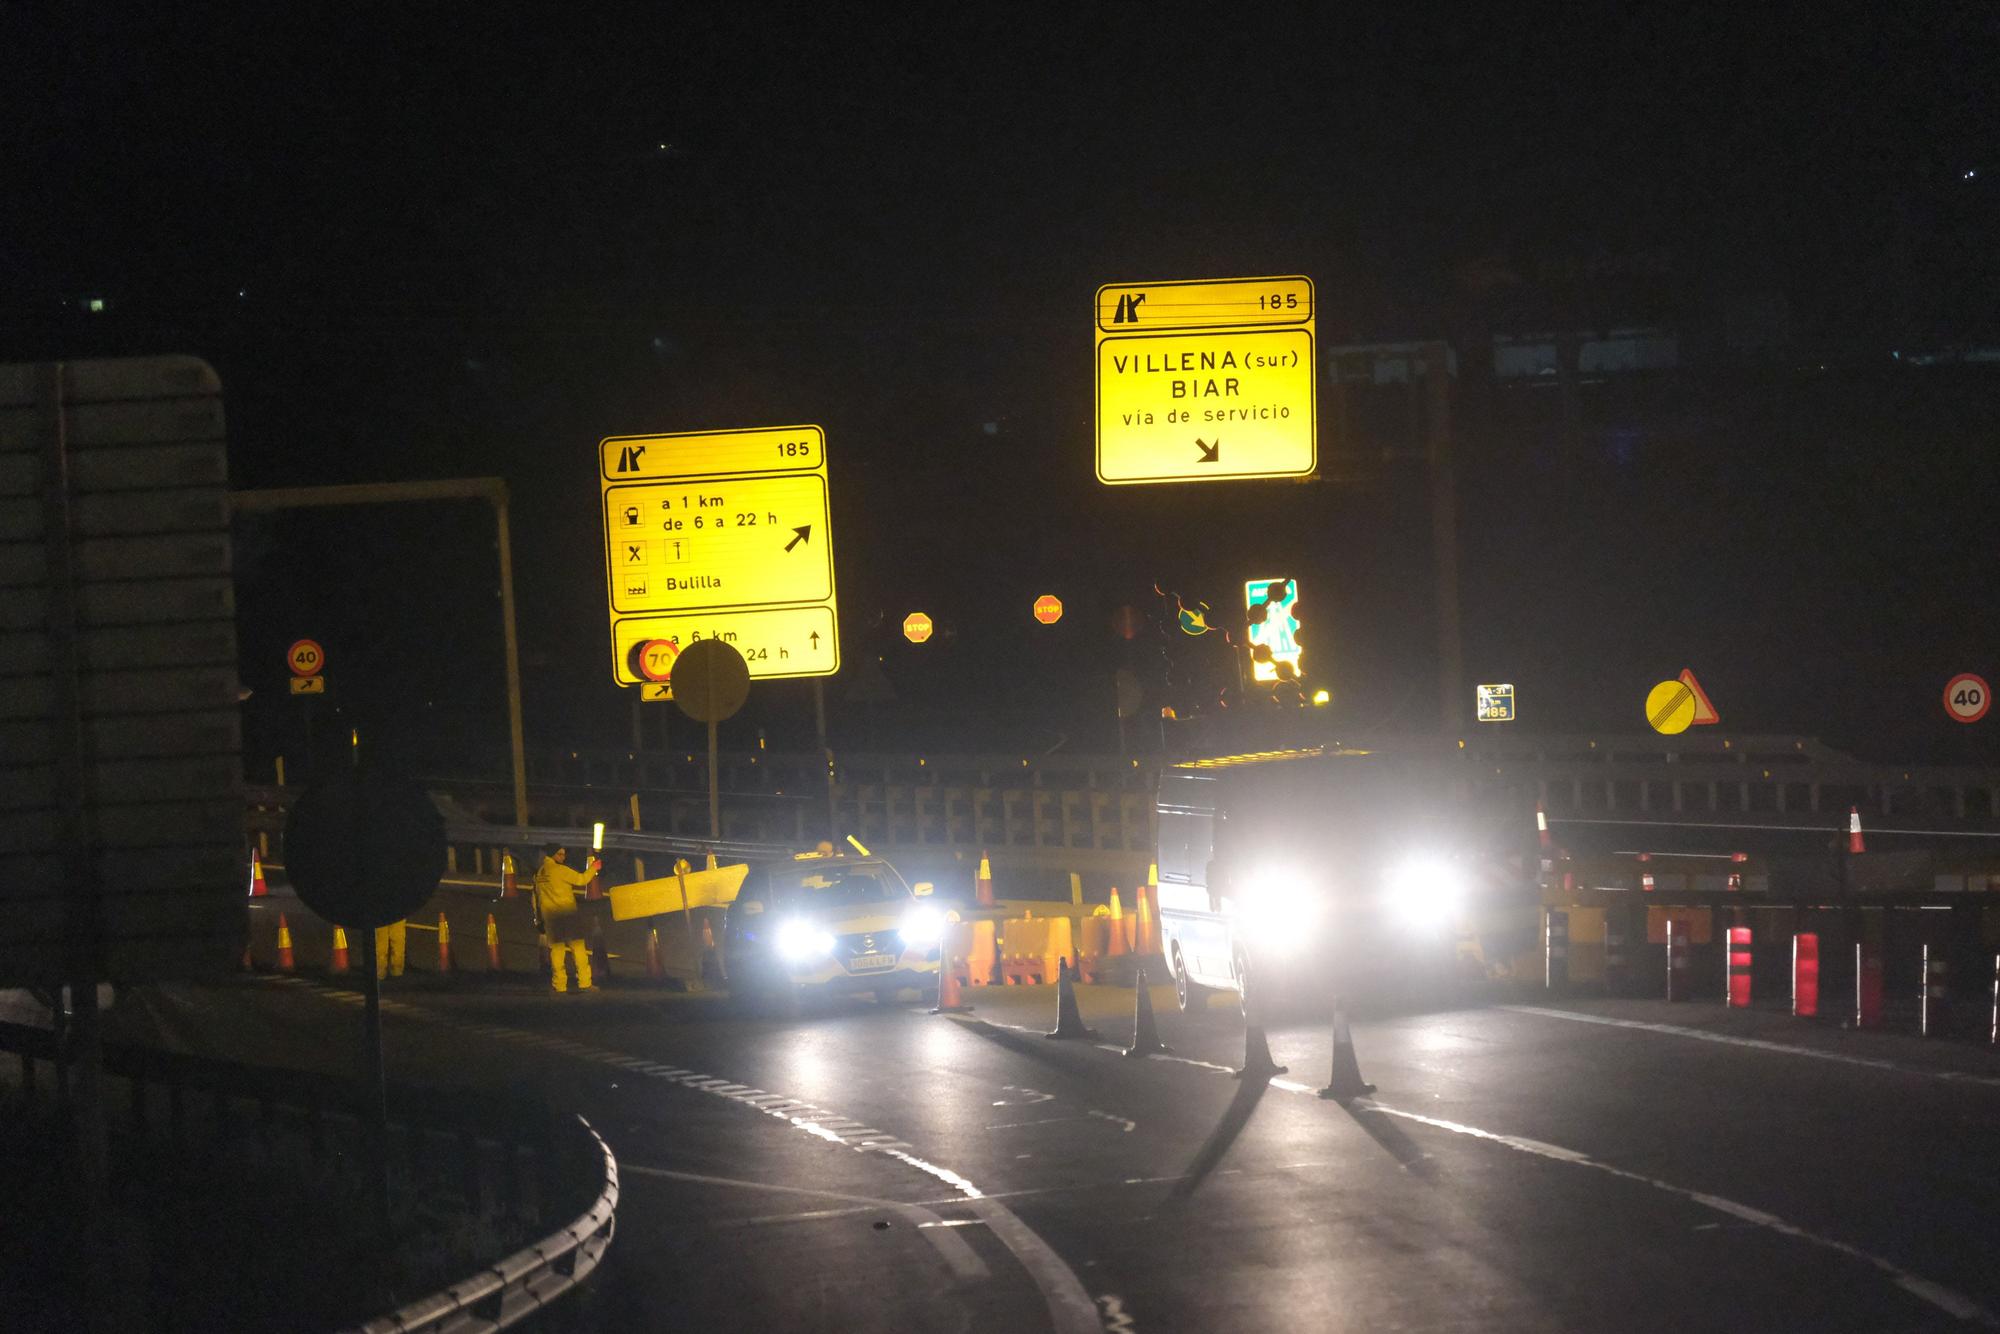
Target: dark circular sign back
x=364, y=850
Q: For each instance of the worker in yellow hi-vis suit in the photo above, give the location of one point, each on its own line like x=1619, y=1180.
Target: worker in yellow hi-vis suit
x=555, y=908
x=389, y=942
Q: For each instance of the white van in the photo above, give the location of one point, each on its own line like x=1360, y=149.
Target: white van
x=1318, y=867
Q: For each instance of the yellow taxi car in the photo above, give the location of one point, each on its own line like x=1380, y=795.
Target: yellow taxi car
x=829, y=923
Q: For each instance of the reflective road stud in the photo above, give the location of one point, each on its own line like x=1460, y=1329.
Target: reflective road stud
x=1867, y=987
x=1930, y=1010
x=1805, y=974
x=1737, y=996
x=1555, y=950
x=1677, y=960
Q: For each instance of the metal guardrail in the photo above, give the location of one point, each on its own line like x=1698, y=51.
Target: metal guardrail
x=522, y=1284
x=492, y=1298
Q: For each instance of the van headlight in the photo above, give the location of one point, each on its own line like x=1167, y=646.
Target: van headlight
x=801, y=941
x=923, y=927
x=1277, y=908
x=1423, y=893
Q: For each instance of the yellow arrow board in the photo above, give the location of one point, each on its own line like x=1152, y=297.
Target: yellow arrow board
x=725, y=535
x=1206, y=381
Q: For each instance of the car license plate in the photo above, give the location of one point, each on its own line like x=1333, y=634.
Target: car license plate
x=870, y=963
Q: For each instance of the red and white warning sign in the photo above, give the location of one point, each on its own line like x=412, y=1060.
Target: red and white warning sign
x=1704, y=712
x=1967, y=697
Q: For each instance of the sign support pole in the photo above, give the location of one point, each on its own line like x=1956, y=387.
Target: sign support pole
x=1444, y=536
x=516, y=746
x=819, y=726
x=714, y=791
x=376, y=1091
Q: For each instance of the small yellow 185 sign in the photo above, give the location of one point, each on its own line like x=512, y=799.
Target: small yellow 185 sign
x=306, y=658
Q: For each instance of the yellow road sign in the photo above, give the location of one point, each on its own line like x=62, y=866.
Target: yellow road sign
x=656, y=692
x=308, y=685
x=1206, y=381
x=1670, y=707
x=721, y=534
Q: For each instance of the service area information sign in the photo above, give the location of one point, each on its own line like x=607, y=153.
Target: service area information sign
x=720, y=535
x=1207, y=380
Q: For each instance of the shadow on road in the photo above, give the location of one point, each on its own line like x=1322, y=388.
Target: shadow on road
x=1037, y=1049
x=1385, y=1132
x=1234, y=1118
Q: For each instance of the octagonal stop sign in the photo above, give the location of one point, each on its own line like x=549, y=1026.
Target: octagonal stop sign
x=1048, y=609
x=364, y=850
x=916, y=627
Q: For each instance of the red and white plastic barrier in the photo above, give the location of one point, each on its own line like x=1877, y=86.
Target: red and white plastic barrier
x=1737, y=995
x=1805, y=974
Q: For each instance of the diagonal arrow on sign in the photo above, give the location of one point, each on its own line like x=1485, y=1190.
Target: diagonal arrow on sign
x=803, y=531
x=1209, y=452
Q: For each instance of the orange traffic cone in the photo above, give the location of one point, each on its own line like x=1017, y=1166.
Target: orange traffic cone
x=982, y=887
x=444, y=944
x=339, y=950
x=284, y=945
x=1345, y=1083
x=1147, y=941
x=1116, y=945
x=707, y=936
x=507, y=875
x=654, y=968
x=258, y=889
x=1069, y=1019
x=949, y=999
x=1855, y=843
x=492, y=943
x=1145, y=1029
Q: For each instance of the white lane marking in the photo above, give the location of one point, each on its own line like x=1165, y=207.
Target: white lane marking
x=1945, y=1299
x=951, y=1247
x=1755, y=1044
x=1028, y=1096
x=1071, y=1311
x=1040, y=1121
x=1129, y=1125
x=1116, y=1321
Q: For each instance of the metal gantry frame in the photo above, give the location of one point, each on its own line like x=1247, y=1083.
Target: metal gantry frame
x=492, y=490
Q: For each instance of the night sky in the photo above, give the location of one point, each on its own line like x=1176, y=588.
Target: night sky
x=448, y=240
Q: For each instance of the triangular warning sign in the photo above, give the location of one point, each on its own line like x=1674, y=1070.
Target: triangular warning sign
x=1704, y=712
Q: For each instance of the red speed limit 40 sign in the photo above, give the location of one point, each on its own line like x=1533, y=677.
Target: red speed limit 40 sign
x=306, y=658
x=1967, y=697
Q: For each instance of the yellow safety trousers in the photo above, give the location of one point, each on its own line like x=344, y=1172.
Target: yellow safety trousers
x=389, y=950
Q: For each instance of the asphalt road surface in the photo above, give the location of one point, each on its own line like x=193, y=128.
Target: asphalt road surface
x=1588, y=1165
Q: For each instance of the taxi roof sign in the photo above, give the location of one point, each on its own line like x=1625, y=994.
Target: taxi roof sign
x=1206, y=380
x=721, y=535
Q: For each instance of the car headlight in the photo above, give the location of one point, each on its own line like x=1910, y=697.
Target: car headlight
x=799, y=941
x=923, y=927
x=1424, y=893
x=1276, y=908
